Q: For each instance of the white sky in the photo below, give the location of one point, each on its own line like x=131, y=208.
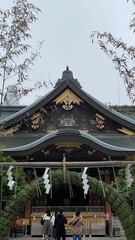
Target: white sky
x=65, y=26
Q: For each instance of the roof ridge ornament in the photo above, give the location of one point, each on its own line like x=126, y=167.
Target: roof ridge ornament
x=67, y=75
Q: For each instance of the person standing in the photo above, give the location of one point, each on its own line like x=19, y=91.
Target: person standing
x=59, y=225
x=46, y=225
x=13, y=229
x=52, y=221
x=76, y=223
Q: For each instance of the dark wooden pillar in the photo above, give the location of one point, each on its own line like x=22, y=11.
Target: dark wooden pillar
x=28, y=203
x=107, y=180
x=109, y=226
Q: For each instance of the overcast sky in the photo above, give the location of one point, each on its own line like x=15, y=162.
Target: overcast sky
x=65, y=26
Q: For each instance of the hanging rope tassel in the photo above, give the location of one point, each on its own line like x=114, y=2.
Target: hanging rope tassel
x=116, y=183
x=39, y=193
x=16, y=180
x=70, y=185
x=64, y=169
x=51, y=183
x=101, y=183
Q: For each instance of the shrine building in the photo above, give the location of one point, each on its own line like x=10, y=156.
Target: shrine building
x=68, y=123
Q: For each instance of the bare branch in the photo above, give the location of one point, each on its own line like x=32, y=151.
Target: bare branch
x=16, y=55
x=121, y=55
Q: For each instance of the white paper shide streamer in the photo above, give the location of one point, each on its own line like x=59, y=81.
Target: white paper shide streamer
x=11, y=182
x=129, y=179
x=85, y=181
x=46, y=180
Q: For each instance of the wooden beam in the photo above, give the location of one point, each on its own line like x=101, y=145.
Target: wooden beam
x=94, y=164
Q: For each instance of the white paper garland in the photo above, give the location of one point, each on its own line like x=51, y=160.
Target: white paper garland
x=11, y=182
x=46, y=180
x=129, y=178
x=85, y=181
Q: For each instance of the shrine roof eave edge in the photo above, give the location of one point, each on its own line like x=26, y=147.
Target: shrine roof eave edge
x=69, y=136
x=110, y=113
x=32, y=108
x=107, y=112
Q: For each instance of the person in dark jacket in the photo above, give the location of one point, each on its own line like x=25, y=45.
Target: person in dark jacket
x=59, y=225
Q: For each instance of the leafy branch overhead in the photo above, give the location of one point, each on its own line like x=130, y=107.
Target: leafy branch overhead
x=16, y=55
x=122, y=55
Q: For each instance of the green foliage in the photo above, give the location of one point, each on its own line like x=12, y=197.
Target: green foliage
x=121, y=185
x=29, y=191
x=18, y=176
x=5, y=158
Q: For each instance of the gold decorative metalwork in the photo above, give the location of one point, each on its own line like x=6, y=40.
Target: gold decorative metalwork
x=126, y=131
x=67, y=101
x=130, y=158
x=68, y=97
x=35, y=123
x=84, y=130
x=9, y=131
x=68, y=145
x=100, y=121
x=36, y=118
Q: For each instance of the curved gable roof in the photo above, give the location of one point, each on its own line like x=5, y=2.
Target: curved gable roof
x=68, y=136
x=69, y=83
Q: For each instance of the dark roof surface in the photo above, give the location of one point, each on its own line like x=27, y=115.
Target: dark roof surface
x=116, y=116
x=76, y=136
x=14, y=141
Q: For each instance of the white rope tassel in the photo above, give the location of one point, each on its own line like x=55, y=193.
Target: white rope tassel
x=85, y=181
x=11, y=182
x=46, y=180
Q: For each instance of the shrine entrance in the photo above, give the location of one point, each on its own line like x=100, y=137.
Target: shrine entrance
x=119, y=206
x=70, y=198
x=67, y=195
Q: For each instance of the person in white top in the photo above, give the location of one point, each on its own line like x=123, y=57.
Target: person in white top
x=46, y=225
x=52, y=221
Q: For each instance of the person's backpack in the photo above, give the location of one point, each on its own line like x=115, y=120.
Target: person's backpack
x=42, y=221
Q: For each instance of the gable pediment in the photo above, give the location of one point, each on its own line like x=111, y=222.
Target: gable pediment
x=68, y=105
x=68, y=98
